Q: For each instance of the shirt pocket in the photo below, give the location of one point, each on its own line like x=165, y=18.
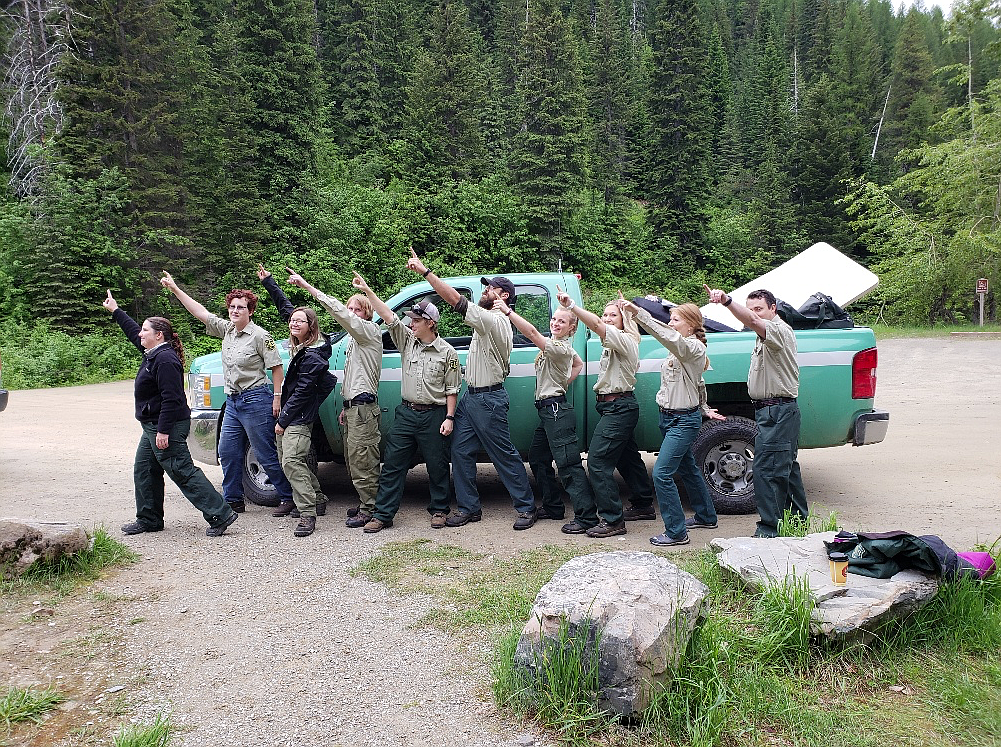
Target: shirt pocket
x=434, y=372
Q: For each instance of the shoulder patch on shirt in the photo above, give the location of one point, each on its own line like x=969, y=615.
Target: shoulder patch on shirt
x=269, y=342
x=453, y=364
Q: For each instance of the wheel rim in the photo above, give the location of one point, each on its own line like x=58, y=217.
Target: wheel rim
x=256, y=474
x=728, y=467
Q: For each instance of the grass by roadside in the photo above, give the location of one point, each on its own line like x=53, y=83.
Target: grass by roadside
x=886, y=332
x=751, y=675
x=69, y=572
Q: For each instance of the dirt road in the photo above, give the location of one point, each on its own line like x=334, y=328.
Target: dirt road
x=258, y=638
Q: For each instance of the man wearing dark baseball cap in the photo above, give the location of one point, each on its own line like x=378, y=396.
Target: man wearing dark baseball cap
x=481, y=417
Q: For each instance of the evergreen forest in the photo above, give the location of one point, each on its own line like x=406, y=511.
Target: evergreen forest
x=649, y=145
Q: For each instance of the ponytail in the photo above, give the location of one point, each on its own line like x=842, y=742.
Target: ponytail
x=160, y=324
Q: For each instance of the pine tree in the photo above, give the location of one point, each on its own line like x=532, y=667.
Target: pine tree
x=912, y=101
x=547, y=161
x=445, y=97
x=680, y=137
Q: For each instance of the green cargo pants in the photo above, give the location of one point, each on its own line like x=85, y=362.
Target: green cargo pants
x=293, y=447
x=362, y=437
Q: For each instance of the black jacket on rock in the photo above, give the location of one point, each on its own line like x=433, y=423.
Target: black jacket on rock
x=159, y=383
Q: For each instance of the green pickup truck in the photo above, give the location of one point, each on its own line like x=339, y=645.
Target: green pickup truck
x=837, y=387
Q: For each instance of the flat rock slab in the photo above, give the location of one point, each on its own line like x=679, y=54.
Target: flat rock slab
x=841, y=612
x=643, y=607
x=24, y=542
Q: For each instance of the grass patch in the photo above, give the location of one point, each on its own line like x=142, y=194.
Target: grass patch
x=751, y=674
x=27, y=704
x=794, y=525
x=887, y=332
x=157, y=734
x=67, y=573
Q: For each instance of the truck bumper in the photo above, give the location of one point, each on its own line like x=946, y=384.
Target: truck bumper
x=204, y=436
x=3, y=400
x=870, y=427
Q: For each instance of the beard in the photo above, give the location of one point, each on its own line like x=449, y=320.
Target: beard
x=486, y=302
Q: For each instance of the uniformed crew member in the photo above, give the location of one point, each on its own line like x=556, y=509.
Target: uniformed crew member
x=252, y=406
x=481, y=420
x=424, y=419
x=680, y=400
x=613, y=444
x=555, y=439
x=360, y=417
x=773, y=385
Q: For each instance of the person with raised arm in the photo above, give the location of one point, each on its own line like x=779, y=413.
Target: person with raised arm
x=252, y=406
x=773, y=385
x=555, y=439
x=163, y=413
x=360, y=416
x=307, y=383
x=680, y=400
x=481, y=420
x=613, y=444
x=424, y=418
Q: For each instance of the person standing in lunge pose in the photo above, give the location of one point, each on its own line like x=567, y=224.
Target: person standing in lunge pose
x=163, y=412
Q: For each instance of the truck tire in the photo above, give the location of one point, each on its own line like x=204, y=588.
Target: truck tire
x=724, y=452
x=257, y=487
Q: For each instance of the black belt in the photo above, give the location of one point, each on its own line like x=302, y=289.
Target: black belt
x=540, y=403
x=614, y=396
x=478, y=389
x=760, y=403
x=416, y=407
x=686, y=411
x=362, y=399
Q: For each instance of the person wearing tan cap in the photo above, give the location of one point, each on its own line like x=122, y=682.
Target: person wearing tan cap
x=423, y=420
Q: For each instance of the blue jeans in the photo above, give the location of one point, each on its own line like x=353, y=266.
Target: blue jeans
x=675, y=457
x=481, y=421
x=248, y=419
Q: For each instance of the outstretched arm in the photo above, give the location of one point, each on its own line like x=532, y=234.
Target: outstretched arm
x=591, y=321
x=448, y=294
x=522, y=324
x=744, y=315
x=384, y=312
x=284, y=306
x=194, y=308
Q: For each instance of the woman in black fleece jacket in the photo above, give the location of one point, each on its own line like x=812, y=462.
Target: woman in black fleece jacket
x=307, y=383
x=162, y=411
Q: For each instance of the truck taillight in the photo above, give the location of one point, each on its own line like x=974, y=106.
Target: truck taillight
x=864, y=374
x=200, y=386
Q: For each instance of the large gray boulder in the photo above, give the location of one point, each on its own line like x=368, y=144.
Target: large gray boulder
x=643, y=608
x=855, y=611
x=24, y=542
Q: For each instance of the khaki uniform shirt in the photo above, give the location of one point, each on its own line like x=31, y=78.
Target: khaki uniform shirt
x=489, y=359
x=363, y=355
x=681, y=371
x=774, y=371
x=553, y=367
x=620, y=360
x=430, y=372
x=246, y=355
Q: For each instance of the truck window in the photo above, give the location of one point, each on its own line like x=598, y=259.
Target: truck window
x=534, y=305
x=450, y=326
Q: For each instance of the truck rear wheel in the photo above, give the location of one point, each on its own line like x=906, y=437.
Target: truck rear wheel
x=724, y=452
x=257, y=487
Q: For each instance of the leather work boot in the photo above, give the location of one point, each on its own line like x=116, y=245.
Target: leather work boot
x=603, y=529
x=306, y=526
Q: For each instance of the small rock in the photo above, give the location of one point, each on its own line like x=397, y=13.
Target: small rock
x=115, y=689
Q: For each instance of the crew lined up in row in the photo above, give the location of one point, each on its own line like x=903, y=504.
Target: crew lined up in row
x=431, y=417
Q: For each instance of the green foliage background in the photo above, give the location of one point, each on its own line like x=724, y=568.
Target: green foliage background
x=646, y=144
